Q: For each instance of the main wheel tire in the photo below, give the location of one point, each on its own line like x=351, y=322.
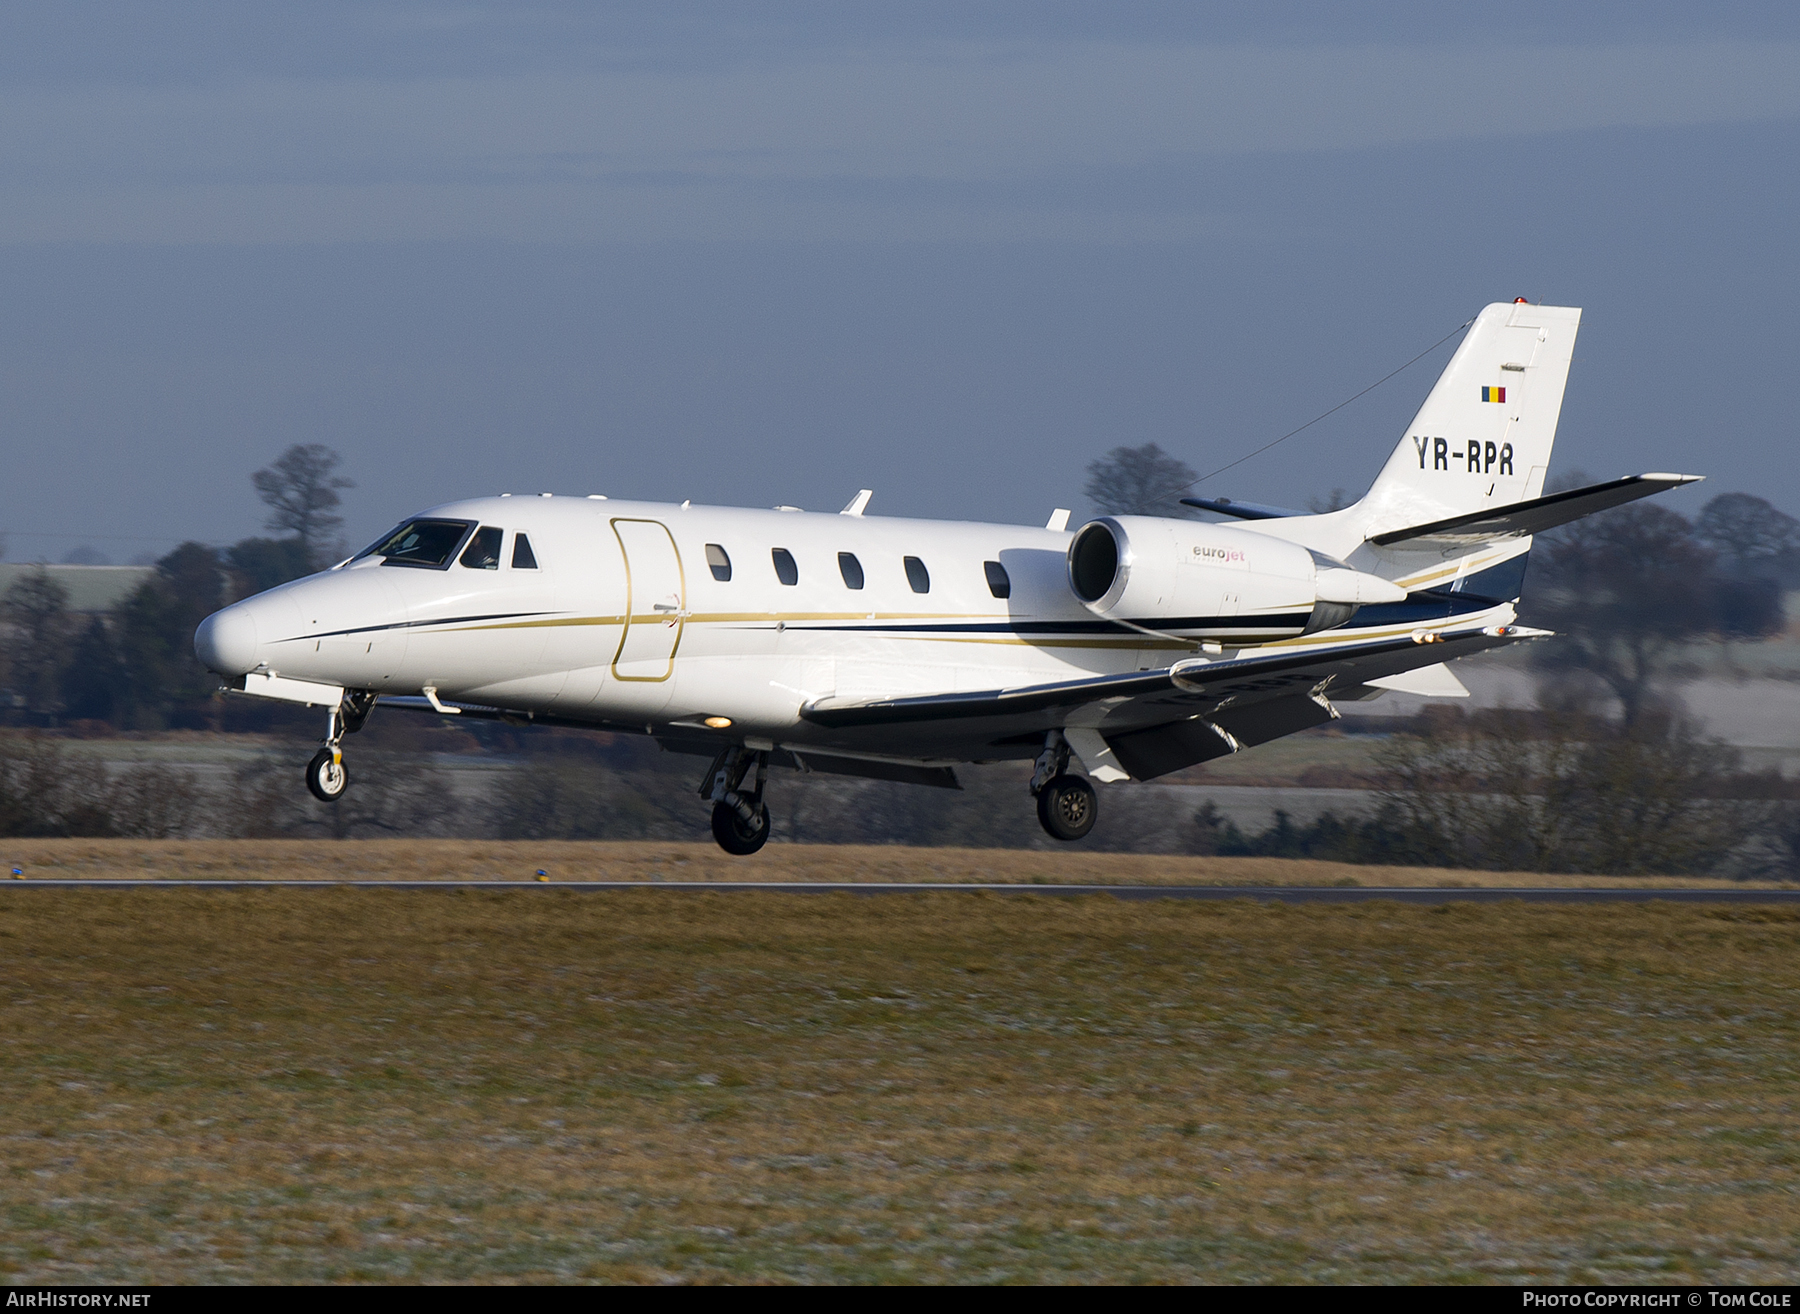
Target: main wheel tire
x=1068, y=807
x=327, y=776
x=733, y=835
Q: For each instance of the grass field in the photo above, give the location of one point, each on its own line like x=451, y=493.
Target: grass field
x=453, y=859
x=207, y=1086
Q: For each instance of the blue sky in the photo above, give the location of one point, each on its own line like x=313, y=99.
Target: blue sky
x=773, y=253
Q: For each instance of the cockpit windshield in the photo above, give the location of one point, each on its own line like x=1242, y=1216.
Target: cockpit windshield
x=427, y=543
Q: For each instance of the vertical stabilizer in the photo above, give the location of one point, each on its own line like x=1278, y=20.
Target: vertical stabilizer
x=1483, y=437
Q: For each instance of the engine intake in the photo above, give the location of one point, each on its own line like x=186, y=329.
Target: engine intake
x=1093, y=561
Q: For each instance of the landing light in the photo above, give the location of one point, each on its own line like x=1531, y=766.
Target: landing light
x=718, y=722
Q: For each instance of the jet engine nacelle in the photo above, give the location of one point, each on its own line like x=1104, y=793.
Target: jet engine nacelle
x=1188, y=577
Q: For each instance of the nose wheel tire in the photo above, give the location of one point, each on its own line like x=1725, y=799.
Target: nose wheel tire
x=733, y=835
x=327, y=776
x=1067, y=807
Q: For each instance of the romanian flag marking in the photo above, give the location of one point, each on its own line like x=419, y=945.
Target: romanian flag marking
x=1493, y=394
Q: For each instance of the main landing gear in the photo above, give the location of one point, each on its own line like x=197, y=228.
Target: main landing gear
x=326, y=775
x=1066, y=804
x=740, y=818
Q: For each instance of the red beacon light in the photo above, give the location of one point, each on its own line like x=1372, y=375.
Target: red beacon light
x=1520, y=301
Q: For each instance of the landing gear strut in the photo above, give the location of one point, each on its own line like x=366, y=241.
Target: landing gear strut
x=1066, y=804
x=326, y=775
x=740, y=818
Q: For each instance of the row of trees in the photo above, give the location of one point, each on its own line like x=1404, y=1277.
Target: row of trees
x=1555, y=790
x=1627, y=590
x=134, y=668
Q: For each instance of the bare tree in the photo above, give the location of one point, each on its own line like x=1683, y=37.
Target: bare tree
x=1746, y=527
x=1569, y=792
x=1624, y=589
x=36, y=607
x=1139, y=481
x=45, y=790
x=301, y=491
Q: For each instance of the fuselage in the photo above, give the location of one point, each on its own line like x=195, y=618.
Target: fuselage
x=648, y=615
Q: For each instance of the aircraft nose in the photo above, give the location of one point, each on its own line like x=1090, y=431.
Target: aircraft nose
x=226, y=641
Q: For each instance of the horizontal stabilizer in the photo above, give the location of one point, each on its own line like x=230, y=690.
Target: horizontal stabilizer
x=1226, y=506
x=1534, y=516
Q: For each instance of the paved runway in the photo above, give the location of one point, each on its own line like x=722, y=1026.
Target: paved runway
x=1274, y=893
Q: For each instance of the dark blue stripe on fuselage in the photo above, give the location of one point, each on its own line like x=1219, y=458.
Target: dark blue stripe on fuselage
x=410, y=625
x=1485, y=588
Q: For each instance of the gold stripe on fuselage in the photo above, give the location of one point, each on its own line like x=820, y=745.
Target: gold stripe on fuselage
x=1114, y=643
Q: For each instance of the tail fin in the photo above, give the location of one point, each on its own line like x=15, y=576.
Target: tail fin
x=1483, y=437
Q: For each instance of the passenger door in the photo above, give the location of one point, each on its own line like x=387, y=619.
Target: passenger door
x=655, y=601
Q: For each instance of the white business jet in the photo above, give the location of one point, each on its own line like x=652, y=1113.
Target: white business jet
x=1132, y=646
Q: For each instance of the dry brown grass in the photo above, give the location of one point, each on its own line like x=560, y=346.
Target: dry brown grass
x=667, y=861
x=203, y=1086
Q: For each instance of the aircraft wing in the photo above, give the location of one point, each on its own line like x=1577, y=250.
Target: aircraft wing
x=1535, y=516
x=1149, y=723
x=1185, y=687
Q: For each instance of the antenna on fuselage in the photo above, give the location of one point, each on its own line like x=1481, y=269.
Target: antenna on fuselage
x=859, y=503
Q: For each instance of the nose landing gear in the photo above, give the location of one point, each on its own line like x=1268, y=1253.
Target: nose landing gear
x=327, y=776
x=1067, y=806
x=740, y=818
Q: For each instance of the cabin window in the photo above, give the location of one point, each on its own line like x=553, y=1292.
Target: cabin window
x=719, y=562
x=917, y=575
x=999, y=584
x=523, y=557
x=785, y=569
x=851, y=569
x=426, y=543
x=483, y=552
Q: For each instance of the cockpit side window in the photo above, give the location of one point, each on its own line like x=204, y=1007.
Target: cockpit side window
x=483, y=552
x=523, y=557
x=430, y=544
